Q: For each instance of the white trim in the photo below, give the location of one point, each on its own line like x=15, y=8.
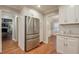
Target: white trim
x=0, y=31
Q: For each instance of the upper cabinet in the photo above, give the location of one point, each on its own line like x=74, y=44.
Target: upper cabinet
x=77, y=13
x=69, y=14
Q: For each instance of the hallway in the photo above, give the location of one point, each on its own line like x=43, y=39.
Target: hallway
x=41, y=49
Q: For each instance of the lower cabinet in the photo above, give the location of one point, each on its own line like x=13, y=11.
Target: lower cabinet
x=72, y=45
x=67, y=45
x=60, y=44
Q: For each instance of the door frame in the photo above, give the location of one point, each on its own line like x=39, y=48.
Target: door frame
x=12, y=31
x=12, y=38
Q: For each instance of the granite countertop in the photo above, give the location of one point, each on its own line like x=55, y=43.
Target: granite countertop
x=69, y=35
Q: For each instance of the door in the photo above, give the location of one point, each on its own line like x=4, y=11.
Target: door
x=29, y=25
x=70, y=14
x=70, y=45
x=62, y=14
x=65, y=47
x=77, y=13
x=73, y=45
x=36, y=28
x=36, y=25
x=60, y=44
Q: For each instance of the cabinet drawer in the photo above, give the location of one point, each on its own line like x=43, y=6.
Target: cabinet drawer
x=32, y=36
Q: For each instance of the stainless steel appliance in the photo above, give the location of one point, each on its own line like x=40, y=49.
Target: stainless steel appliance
x=31, y=32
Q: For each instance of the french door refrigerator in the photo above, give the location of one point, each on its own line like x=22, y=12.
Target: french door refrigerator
x=31, y=33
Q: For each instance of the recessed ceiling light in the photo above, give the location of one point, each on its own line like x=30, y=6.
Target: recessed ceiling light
x=38, y=5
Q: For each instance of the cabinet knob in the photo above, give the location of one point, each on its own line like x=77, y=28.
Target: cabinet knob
x=76, y=20
x=65, y=44
x=65, y=21
x=65, y=38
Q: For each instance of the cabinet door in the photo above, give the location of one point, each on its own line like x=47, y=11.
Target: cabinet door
x=77, y=13
x=70, y=14
x=60, y=43
x=65, y=44
x=67, y=14
x=72, y=45
x=62, y=14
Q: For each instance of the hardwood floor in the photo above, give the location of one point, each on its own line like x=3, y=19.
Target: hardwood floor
x=11, y=47
x=52, y=43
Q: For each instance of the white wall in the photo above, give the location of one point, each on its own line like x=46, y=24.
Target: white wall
x=33, y=13
x=21, y=30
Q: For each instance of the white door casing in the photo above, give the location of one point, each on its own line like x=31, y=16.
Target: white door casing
x=0, y=32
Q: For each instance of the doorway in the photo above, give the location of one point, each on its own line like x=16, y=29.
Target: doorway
x=54, y=27
x=8, y=43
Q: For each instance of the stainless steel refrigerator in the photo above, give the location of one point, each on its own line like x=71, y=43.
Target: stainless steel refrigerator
x=31, y=32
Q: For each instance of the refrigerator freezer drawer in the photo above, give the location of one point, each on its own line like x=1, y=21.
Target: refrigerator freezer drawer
x=32, y=43
x=29, y=36
x=32, y=36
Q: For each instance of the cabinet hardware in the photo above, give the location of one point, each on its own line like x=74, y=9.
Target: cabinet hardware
x=65, y=44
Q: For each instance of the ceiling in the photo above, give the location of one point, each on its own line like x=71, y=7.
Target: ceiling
x=44, y=9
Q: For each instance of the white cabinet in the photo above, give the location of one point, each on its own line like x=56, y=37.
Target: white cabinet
x=62, y=14
x=67, y=44
x=68, y=14
x=60, y=44
x=77, y=13
x=72, y=45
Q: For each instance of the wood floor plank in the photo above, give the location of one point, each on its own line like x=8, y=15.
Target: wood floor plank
x=11, y=47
